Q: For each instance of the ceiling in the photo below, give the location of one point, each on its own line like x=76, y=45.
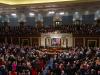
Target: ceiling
x=17, y=2
x=13, y=2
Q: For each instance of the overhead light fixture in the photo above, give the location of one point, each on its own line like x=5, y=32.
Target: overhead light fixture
x=31, y=14
x=51, y=12
x=61, y=13
x=14, y=15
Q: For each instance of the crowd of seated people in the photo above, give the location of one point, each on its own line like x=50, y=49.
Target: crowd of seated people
x=26, y=60
x=75, y=29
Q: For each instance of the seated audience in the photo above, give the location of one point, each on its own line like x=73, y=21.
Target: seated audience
x=16, y=60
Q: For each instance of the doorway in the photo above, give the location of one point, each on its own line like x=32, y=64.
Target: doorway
x=25, y=42
x=92, y=43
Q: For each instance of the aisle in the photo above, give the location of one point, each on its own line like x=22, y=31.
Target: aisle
x=50, y=64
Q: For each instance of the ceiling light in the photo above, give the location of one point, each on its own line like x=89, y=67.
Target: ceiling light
x=61, y=13
x=14, y=15
x=31, y=14
x=51, y=12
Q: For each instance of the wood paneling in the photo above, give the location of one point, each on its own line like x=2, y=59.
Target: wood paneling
x=35, y=41
x=15, y=40
x=25, y=41
x=79, y=42
x=2, y=39
x=87, y=39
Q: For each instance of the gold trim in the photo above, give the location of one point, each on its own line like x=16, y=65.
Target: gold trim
x=66, y=42
x=39, y=41
x=86, y=37
x=90, y=41
x=99, y=42
x=73, y=41
x=19, y=42
x=31, y=41
x=11, y=40
x=84, y=42
x=24, y=40
x=5, y=39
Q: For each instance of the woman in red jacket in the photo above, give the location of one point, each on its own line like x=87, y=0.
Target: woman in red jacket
x=13, y=73
x=34, y=72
